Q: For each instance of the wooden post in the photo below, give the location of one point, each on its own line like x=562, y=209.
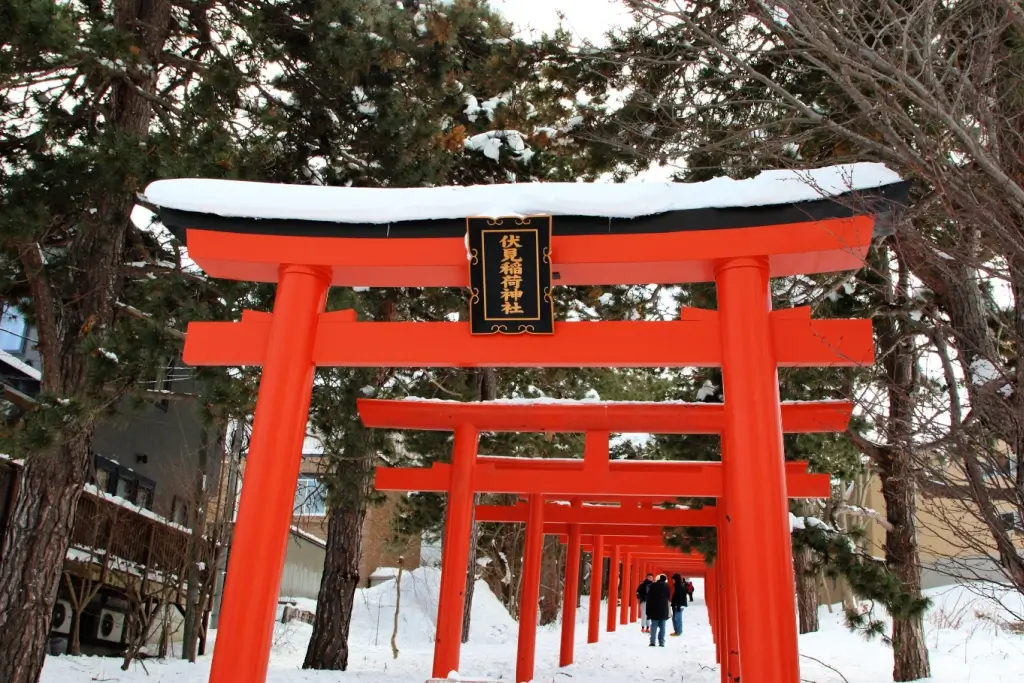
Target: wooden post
x=455, y=553
x=572, y=574
x=626, y=590
x=613, y=588
x=756, y=486
x=596, y=579
x=530, y=594
x=268, y=497
x=634, y=582
x=710, y=598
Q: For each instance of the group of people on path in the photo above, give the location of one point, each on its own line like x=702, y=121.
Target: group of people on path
x=655, y=602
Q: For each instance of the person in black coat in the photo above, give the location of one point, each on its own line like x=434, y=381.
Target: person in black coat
x=658, y=609
x=679, y=600
x=641, y=596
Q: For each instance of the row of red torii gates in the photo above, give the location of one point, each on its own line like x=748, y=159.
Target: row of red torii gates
x=739, y=248
x=620, y=507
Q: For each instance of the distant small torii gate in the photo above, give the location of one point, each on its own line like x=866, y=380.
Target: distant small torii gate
x=576, y=479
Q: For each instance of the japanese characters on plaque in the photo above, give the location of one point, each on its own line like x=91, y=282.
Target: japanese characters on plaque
x=510, y=275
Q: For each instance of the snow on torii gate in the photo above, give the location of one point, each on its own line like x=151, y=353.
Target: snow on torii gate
x=595, y=474
x=735, y=233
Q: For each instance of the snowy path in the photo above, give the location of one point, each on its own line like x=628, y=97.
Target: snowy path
x=965, y=648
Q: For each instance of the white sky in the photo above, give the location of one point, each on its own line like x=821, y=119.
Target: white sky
x=585, y=18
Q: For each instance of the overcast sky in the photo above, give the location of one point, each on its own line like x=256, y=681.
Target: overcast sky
x=585, y=18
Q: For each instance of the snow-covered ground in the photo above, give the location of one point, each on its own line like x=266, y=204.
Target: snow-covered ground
x=970, y=639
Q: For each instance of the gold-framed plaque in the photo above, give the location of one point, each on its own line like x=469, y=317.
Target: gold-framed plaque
x=510, y=275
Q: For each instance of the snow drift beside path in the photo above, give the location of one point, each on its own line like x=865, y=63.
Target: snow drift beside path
x=237, y=198
x=374, y=611
x=970, y=638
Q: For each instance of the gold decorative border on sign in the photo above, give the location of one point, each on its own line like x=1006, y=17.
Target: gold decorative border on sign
x=501, y=325
x=540, y=294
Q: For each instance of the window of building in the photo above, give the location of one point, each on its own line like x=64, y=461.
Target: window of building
x=144, y=495
x=1010, y=521
x=310, y=497
x=125, y=487
x=179, y=511
x=101, y=480
x=12, y=330
x=104, y=474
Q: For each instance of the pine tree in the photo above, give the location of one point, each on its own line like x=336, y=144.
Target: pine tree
x=98, y=99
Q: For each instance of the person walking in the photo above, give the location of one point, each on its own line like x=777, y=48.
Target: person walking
x=641, y=596
x=657, y=609
x=680, y=593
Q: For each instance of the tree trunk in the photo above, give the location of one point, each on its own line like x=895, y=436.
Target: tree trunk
x=487, y=391
x=910, y=654
x=551, y=578
x=467, y=605
x=806, y=579
x=190, y=632
x=806, y=590
x=328, y=646
x=75, y=646
x=34, y=548
x=37, y=538
x=896, y=472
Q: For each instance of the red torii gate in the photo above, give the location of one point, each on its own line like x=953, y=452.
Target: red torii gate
x=284, y=234
x=575, y=521
x=595, y=474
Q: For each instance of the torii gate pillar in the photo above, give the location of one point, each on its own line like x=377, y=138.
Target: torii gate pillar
x=571, y=592
x=624, y=588
x=596, y=579
x=455, y=558
x=613, y=588
x=529, y=596
x=275, y=457
x=756, y=487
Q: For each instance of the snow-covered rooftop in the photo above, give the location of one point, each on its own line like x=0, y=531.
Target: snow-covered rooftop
x=20, y=365
x=239, y=199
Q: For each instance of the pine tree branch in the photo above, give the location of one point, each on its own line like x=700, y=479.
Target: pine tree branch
x=163, y=395
x=865, y=512
x=23, y=401
x=872, y=450
x=142, y=315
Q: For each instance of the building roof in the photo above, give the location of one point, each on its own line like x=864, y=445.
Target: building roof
x=15, y=363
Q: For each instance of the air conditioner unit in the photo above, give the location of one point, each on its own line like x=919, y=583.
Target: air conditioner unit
x=110, y=626
x=61, y=622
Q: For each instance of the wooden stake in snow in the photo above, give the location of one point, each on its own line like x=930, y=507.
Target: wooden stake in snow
x=398, y=605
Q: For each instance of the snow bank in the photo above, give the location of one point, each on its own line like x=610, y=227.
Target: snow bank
x=374, y=612
x=609, y=200
x=962, y=649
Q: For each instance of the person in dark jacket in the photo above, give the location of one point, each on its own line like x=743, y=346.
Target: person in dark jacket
x=641, y=596
x=658, y=609
x=679, y=601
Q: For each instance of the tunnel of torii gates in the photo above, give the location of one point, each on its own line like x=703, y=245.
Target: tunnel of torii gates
x=307, y=239
x=619, y=503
